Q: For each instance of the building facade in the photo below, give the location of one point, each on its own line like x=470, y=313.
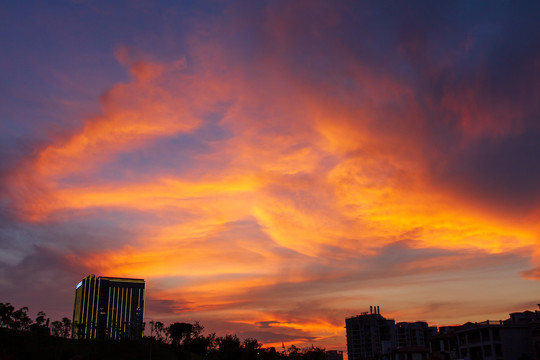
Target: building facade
x=108, y=308
x=370, y=335
x=515, y=338
x=495, y=340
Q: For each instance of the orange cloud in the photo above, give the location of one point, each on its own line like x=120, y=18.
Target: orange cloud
x=327, y=177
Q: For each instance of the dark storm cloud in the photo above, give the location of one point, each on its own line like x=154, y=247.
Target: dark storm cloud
x=42, y=279
x=267, y=324
x=473, y=68
x=156, y=307
x=277, y=337
x=84, y=233
x=482, y=137
x=14, y=152
x=504, y=172
x=475, y=73
x=45, y=258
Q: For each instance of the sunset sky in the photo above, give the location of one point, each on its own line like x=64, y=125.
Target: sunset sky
x=270, y=168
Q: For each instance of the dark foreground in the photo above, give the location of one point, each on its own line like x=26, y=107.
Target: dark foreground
x=22, y=345
x=26, y=345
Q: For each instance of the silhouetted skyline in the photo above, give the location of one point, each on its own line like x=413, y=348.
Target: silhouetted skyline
x=370, y=335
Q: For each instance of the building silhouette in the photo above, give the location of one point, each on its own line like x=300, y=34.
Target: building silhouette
x=369, y=335
x=334, y=355
x=108, y=308
x=414, y=334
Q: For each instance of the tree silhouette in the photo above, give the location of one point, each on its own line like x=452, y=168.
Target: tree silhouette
x=66, y=327
x=201, y=345
x=229, y=347
x=6, y=313
x=294, y=352
x=251, y=348
x=40, y=319
x=314, y=353
x=180, y=332
x=151, y=328
x=186, y=338
x=80, y=330
x=41, y=324
x=159, y=329
x=56, y=328
x=21, y=320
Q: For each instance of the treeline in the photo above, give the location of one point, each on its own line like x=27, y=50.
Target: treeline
x=19, y=320
x=189, y=343
x=184, y=341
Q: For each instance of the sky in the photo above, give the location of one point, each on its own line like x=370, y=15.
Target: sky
x=273, y=167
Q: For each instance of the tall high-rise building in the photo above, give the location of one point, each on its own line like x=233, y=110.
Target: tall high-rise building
x=369, y=335
x=108, y=308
